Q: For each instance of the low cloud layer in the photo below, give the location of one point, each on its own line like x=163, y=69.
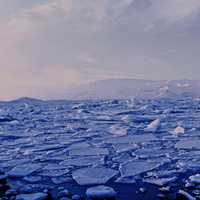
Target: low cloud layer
x=48, y=46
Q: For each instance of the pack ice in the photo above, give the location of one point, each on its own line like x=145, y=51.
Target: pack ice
x=48, y=146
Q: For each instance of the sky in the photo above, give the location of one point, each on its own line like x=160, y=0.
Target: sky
x=50, y=46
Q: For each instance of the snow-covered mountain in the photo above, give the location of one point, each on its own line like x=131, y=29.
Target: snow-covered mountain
x=135, y=88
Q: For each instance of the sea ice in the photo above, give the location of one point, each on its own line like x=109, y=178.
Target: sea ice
x=186, y=195
x=33, y=179
x=82, y=161
x=90, y=151
x=93, y=175
x=24, y=170
x=188, y=144
x=78, y=145
x=100, y=192
x=136, y=167
x=119, y=148
x=179, y=130
x=160, y=181
x=153, y=126
x=131, y=139
x=195, y=178
x=35, y=196
x=118, y=130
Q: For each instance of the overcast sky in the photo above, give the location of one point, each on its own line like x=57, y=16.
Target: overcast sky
x=48, y=46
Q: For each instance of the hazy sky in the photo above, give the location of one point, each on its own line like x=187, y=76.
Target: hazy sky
x=47, y=46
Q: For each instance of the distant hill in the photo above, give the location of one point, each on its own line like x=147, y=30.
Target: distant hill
x=25, y=100
x=135, y=88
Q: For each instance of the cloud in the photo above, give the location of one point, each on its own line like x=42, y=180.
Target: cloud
x=46, y=83
x=67, y=42
x=175, y=10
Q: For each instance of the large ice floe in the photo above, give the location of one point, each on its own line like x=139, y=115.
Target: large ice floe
x=93, y=175
x=100, y=149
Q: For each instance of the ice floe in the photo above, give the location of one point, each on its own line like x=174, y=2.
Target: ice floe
x=100, y=192
x=118, y=130
x=93, y=175
x=179, y=130
x=136, y=167
x=188, y=144
x=153, y=126
x=91, y=151
x=24, y=170
x=34, y=196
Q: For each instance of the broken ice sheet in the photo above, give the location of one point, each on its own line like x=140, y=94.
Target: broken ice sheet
x=161, y=181
x=153, y=126
x=93, y=175
x=188, y=144
x=34, y=196
x=90, y=151
x=82, y=161
x=195, y=178
x=54, y=172
x=24, y=170
x=132, y=139
x=119, y=148
x=78, y=145
x=33, y=179
x=117, y=129
x=136, y=167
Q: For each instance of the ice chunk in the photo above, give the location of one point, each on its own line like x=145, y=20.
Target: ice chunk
x=160, y=181
x=136, y=167
x=188, y=144
x=153, y=126
x=186, y=195
x=131, y=139
x=91, y=151
x=127, y=118
x=54, y=169
x=195, y=178
x=129, y=180
x=24, y=170
x=118, y=130
x=78, y=145
x=100, y=192
x=119, y=148
x=35, y=196
x=93, y=175
x=83, y=161
x=179, y=130
x=33, y=179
